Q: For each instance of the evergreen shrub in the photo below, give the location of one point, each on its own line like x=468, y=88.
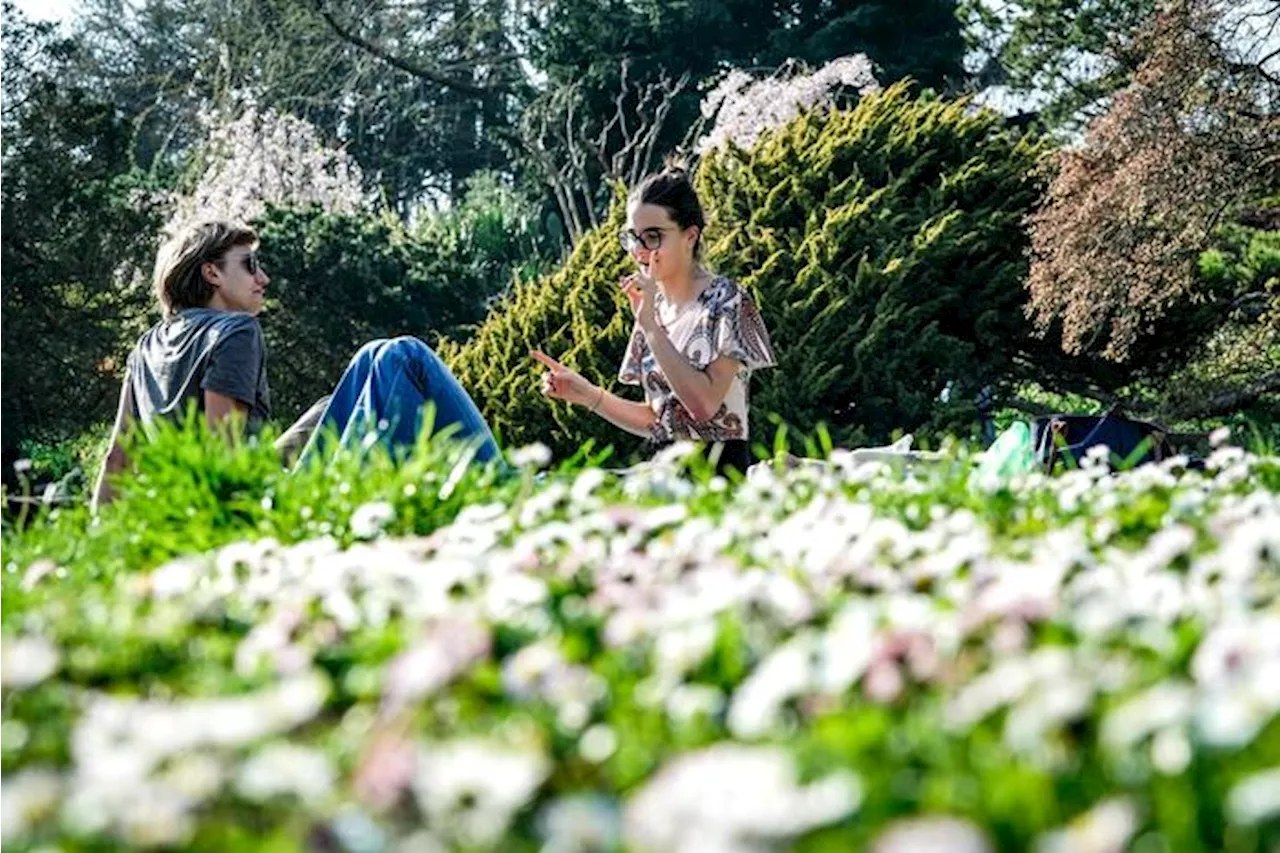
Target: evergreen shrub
x=342, y=279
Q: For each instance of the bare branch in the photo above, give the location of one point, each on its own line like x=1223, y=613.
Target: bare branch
x=579, y=155
x=1229, y=401
x=434, y=75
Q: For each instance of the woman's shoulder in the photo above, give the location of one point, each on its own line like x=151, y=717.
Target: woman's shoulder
x=723, y=294
x=224, y=325
x=213, y=319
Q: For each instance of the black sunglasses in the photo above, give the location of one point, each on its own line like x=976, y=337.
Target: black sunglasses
x=251, y=263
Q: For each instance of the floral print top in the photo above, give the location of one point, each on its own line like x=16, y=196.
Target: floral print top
x=722, y=321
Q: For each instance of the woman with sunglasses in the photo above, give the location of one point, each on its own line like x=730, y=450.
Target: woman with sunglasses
x=697, y=335
x=208, y=352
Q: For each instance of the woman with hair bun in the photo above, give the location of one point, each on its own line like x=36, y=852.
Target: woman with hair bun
x=697, y=337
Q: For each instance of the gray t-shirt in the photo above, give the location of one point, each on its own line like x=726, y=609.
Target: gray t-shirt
x=198, y=350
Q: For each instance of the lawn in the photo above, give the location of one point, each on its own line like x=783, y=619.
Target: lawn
x=436, y=656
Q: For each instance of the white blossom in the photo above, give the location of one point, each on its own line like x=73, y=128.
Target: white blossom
x=26, y=661
x=744, y=108
x=280, y=769
x=931, y=834
x=30, y=796
x=1106, y=828
x=369, y=519
x=730, y=797
x=580, y=824
x=784, y=675
x=1256, y=798
x=536, y=455
x=470, y=789
x=598, y=743
x=259, y=157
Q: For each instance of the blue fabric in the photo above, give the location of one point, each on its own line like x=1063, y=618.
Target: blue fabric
x=1126, y=438
x=385, y=387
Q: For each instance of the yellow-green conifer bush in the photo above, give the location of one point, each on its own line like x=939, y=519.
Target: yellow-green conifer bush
x=576, y=314
x=885, y=245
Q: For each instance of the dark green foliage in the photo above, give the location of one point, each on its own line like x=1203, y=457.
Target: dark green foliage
x=76, y=221
x=1034, y=47
x=885, y=246
x=1243, y=270
x=586, y=38
x=338, y=281
x=1231, y=337
x=72, y=462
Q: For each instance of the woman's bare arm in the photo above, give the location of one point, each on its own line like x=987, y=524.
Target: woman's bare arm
x=635, y=418
x=702, y=392
x=295, y=438
x=218, y=408
x=563, y=383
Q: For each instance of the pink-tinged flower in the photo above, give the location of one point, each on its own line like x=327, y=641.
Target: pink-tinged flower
x=883, y=682
x=386, y=768
x=451, y=648
x=36, y=572
x=271, y=642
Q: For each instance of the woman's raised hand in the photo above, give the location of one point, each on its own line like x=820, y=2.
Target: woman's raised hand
x=561, y=383
x=642, y=292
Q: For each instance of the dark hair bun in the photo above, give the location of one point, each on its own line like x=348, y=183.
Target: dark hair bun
x=677, y=166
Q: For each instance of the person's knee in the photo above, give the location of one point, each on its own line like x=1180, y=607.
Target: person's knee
x=369, y=350
x=405, y=349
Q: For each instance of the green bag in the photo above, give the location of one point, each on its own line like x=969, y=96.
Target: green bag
x=1012, y=453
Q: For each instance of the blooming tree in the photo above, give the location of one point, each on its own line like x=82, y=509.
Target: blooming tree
x=742, y=107
x=262, y=157
x=1193, y=137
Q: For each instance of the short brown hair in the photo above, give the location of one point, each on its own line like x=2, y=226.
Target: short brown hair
x=178, y=281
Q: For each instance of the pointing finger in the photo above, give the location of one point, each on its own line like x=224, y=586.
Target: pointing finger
x=545, y=360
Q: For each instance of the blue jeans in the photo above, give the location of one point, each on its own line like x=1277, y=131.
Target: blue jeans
x=385, y=388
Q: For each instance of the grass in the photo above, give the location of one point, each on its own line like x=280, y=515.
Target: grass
x=370, y=654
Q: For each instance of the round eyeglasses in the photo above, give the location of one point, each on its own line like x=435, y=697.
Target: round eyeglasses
x=649, y=238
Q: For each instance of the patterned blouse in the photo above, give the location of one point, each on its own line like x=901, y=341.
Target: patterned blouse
x=723, y=320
